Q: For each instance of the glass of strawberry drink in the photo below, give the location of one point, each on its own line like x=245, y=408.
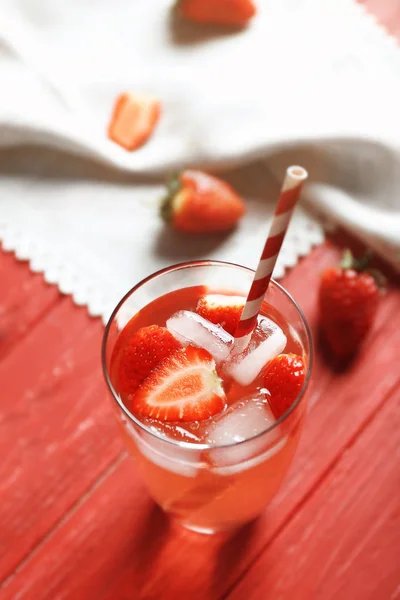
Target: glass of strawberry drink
x=213, y=426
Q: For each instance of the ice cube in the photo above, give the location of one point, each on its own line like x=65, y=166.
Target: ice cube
x=242, y=422
x=162, y=452
x=226, y=468
x=190, y=328
x=267, y=342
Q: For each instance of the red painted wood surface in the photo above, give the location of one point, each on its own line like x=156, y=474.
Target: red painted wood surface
x=75, y=520
x=349, y=529
x=57, y=422
x=25, y=299
x=341, y=406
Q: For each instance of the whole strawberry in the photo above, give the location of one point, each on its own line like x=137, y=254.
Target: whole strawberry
x=218, y=12
x=201, y=203
x=348, y=301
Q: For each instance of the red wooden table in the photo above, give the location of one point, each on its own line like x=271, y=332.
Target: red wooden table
x=76, y=522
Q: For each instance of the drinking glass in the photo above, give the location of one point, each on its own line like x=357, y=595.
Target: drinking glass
x=211, y=488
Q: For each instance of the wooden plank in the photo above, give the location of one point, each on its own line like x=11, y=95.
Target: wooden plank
x=57, y=431
x=116, y=541
x=25, y=298
x=345, y=541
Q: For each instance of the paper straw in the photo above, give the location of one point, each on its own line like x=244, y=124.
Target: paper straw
x=290, y=193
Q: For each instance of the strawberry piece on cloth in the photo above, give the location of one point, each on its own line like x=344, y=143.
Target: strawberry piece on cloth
x=133, y=120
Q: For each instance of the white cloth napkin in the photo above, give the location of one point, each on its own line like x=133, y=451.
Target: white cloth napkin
x=313, y=82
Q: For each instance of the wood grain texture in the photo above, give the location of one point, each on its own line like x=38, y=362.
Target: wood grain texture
x=345, y=541
x=57, y=432
x=145, y=555
x=24, y=299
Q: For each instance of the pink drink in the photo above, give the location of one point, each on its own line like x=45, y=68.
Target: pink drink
x=221, y=472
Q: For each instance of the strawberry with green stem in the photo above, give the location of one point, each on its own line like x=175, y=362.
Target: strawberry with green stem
x=200, y=203
x=348, y=302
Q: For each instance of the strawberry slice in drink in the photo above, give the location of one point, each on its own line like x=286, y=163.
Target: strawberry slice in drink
x=145, y=349
x=222, y=310
x=284, y=378
x=183, y=387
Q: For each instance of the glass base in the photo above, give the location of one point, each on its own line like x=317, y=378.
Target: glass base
x=224, y=530
x=202, y=530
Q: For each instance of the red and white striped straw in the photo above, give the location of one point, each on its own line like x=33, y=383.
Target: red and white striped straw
x=290, y=193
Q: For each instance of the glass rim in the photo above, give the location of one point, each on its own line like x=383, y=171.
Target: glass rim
x=194, y=445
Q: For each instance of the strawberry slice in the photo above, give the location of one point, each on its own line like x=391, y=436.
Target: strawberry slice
x=218, y=12
x=184, y=387
x=284, y=378
x=147, y=347
x=221, y=310
x=133, y=120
